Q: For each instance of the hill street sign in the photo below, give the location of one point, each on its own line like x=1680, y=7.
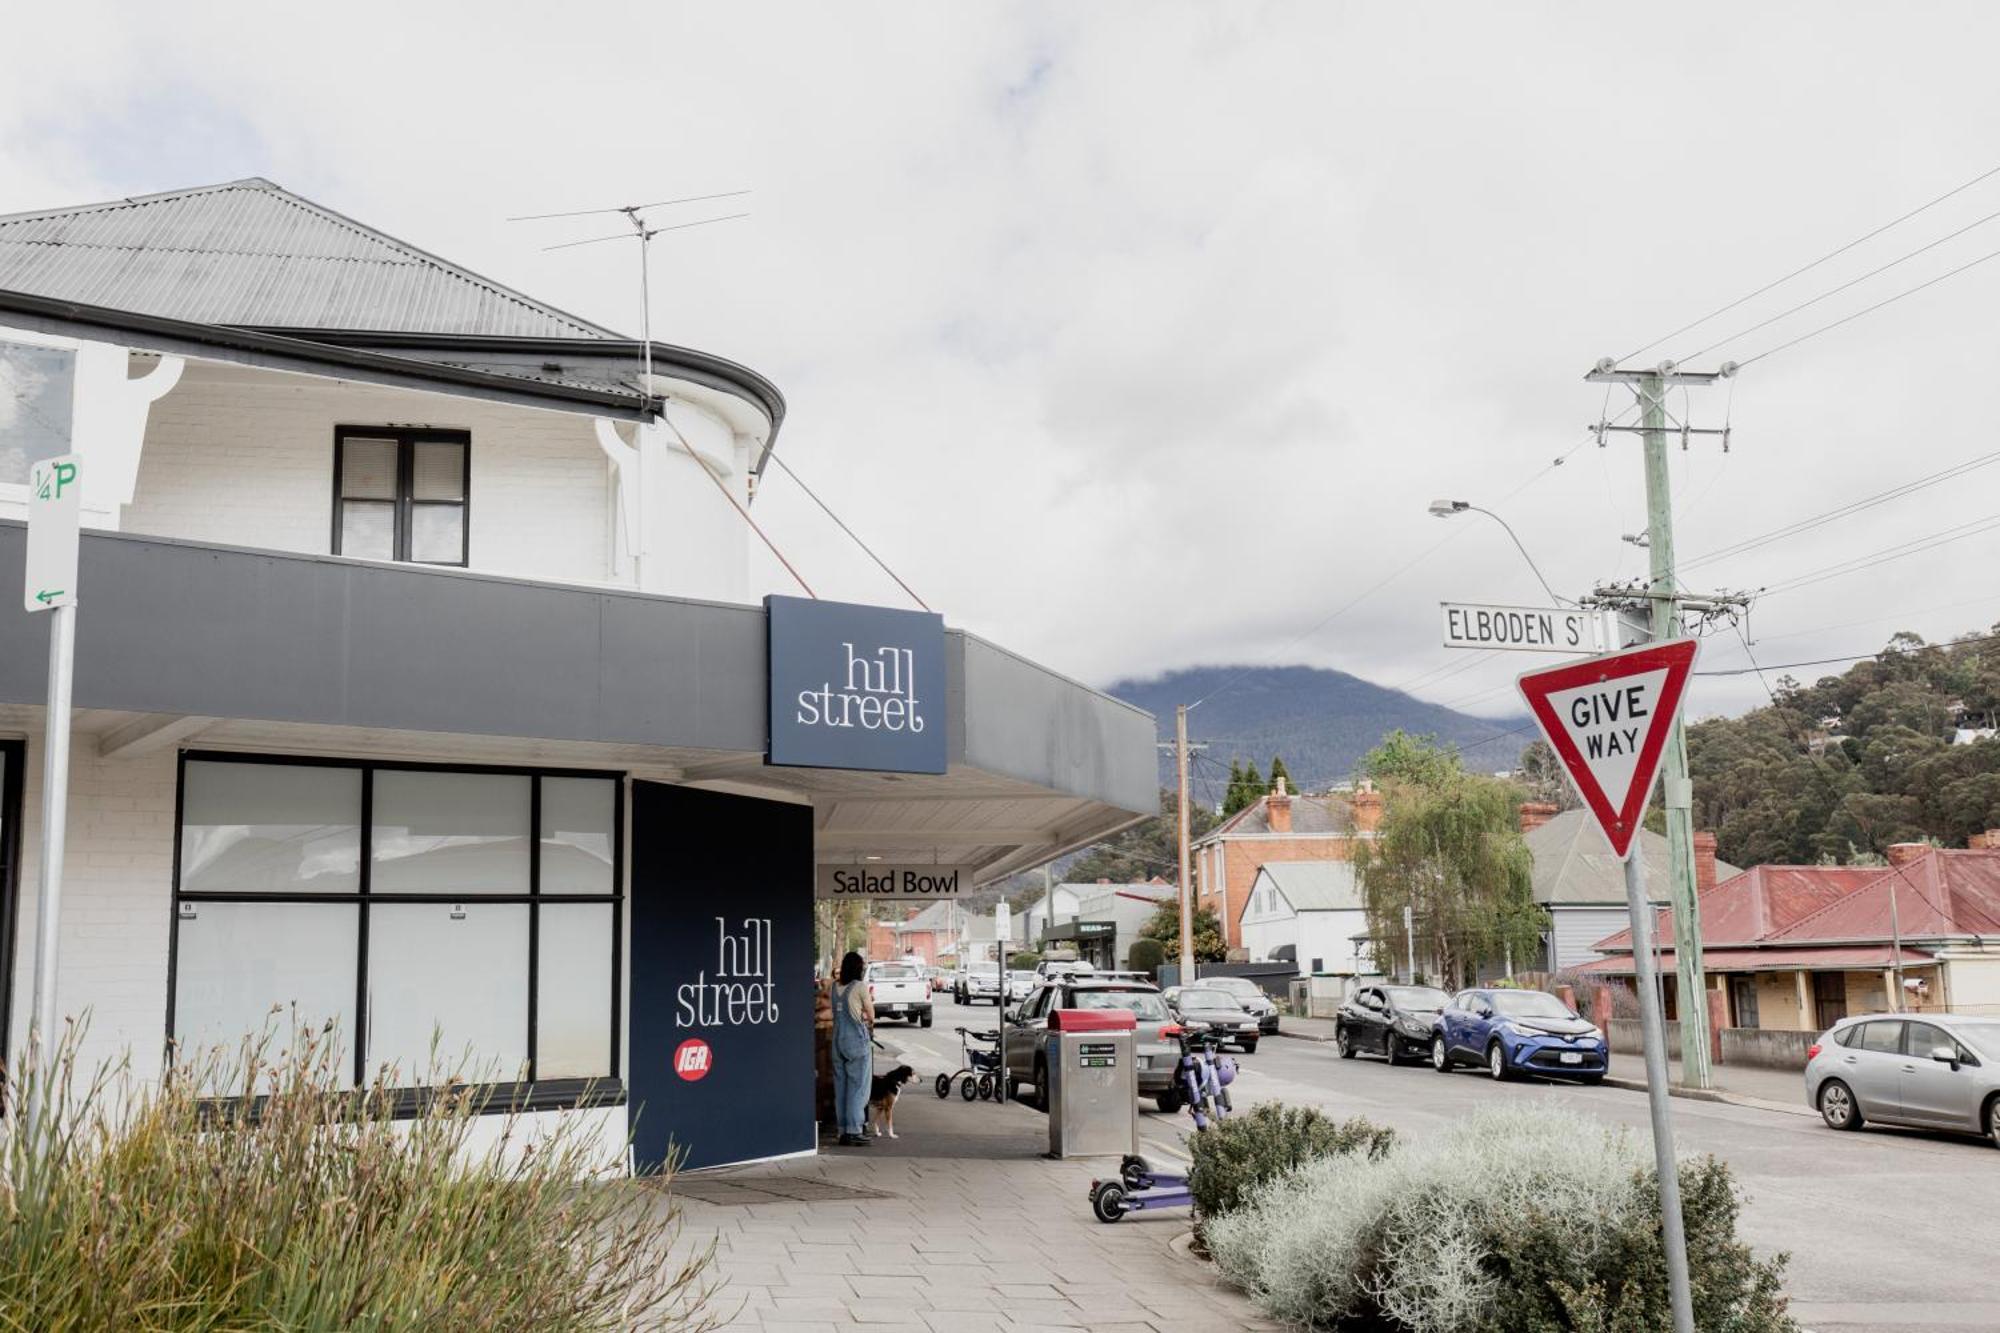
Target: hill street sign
x=1531, y=629
x=1608, y=718
x=54, y=492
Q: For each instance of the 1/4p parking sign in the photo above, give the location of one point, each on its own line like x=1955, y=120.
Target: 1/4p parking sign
x=55, y=488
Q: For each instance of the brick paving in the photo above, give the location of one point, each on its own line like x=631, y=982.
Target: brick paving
x=977, y=1236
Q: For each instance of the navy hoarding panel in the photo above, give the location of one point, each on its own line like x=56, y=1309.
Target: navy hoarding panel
x=859, y=687
x=722, y=989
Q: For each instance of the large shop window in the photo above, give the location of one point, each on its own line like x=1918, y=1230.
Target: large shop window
x=464, y=922
x=401, y=494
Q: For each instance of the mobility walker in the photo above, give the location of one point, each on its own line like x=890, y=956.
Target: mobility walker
x=979, y=1071
x=1203, y=1075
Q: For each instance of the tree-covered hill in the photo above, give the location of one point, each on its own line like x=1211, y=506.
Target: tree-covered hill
x=1852, y=763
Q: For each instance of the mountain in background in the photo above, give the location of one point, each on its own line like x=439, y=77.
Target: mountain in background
x=1320, y=721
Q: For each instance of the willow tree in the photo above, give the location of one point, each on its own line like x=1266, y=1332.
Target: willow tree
x=1450, y=851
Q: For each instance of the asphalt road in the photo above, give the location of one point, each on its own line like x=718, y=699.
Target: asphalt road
x=1887, y=1230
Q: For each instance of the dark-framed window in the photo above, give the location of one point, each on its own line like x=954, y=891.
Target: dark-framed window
x=402, y=494
x=12, y=754
x=477, y=907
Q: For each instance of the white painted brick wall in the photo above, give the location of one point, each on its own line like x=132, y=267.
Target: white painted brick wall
x=248, y=460
x=117, y=893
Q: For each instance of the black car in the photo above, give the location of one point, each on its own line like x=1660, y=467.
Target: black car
x=1392, y=1021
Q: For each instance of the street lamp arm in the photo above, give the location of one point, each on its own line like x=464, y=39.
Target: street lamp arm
x=1558, y=598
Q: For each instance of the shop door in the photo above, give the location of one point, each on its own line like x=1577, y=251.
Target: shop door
x=10, y=889
x=721, y=1061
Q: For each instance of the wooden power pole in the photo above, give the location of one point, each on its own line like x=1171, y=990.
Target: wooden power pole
x=1181, y=811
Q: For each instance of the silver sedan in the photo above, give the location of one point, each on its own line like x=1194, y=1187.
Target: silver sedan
x=1934, y=1071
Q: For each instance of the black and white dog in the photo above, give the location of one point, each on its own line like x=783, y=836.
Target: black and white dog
x=882, y=1093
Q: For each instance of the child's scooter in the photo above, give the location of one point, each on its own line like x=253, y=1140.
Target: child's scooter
x=1203, y=1075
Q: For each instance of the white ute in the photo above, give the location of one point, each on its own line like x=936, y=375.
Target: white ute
x=900, y=990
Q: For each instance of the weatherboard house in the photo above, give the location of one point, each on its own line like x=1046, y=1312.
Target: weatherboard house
x=420, y=691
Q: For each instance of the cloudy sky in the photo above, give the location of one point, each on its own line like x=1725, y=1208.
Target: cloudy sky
x=1140, y=335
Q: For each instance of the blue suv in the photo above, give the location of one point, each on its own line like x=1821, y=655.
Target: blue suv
x=1517, y=1032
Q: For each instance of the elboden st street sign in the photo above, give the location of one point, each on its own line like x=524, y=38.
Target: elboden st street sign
x=1533, y=629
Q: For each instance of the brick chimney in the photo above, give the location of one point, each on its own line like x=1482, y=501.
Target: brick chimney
x=1902, y=853
x=1367, y=804
x=1704, y=860
x=1278, y=808
x=1534, y=814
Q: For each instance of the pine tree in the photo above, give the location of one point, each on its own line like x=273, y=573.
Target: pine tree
x=1278, y=771
x=1233, y=798
x=1254, y=785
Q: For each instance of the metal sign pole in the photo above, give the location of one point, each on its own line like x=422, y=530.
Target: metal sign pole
x=55, y=814
x=1653, y=1026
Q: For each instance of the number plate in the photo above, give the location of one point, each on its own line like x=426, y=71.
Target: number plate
x=1572, y=1058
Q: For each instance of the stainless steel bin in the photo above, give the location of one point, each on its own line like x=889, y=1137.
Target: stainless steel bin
x=1093, y=1083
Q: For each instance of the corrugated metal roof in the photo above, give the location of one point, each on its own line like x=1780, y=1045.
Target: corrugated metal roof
x=1315, y=886
x=251, y=253
x=1859, y=957
x=1574, y=865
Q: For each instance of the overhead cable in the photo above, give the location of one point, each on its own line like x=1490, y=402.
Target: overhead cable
x=1867, y=310
x=1915, y=546
x=1829, y=255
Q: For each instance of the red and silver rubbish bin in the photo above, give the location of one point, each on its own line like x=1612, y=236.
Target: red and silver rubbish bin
x=1093, y=1083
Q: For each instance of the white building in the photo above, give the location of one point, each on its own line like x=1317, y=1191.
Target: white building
x=416, y=686
x=1309, y=913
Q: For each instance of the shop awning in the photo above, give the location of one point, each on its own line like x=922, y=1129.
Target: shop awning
x=1845, y=958
x=191, y=643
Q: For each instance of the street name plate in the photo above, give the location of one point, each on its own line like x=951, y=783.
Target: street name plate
x=1530, y=629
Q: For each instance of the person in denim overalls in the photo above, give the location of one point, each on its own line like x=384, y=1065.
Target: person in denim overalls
x=853, y=1028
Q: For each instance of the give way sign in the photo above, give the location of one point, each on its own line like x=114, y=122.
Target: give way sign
x=1608, y=719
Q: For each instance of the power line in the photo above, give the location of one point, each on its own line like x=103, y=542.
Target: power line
x=1844, y=511
x=1835, y=291
x=842, y=524
x=1831, y=254
x=1860, y=564
x=1868, y=310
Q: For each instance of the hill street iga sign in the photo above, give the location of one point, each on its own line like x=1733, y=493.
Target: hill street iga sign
x=54, y=491
x=1608, y=719
x=1530, y=629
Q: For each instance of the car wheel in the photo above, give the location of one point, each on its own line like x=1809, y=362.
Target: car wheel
x=926, y=1020
x=1392, y=1052
x=1440, y=1057
x=944, y=1085
x=1496, y=1063
x=1993, y=1120
x=1837, y=1105
x=1168, y=1102
x=1041, y=1084
x=1344, y=1042
x=1107, y=1200
x=1249, y=1047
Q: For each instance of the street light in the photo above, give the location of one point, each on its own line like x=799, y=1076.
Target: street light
x=1447, y=508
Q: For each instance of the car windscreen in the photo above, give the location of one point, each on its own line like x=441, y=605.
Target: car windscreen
x=1416, y=998
x=893, y=972
x=1207, y=999
x=1529, y=1004
x=1235, y=985
x=1144, y=1004
x=1983, y=1037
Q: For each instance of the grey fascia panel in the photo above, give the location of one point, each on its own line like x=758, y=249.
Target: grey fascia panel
x=1028, y=722
x=165, y=626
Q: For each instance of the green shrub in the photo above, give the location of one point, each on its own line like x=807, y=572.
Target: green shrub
x=303, y=1204
x=1513, y=1220
x=1146, y=956
x=1237, y=1155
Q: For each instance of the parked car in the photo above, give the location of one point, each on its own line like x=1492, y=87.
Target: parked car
x=1514, y=1032
x=1940, y=1071
x=1064, y=967
x=941, y=979
x=1200, y=1005
x=1390, y=1021
x=979, y=985
x=1019, y=984
x=1251, y=996
x=1155, y=1047
x=900, y=990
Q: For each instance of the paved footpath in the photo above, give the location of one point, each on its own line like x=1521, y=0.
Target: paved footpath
x=956, y=1227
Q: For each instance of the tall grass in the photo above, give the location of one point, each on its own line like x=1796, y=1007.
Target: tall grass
x=301, y=1203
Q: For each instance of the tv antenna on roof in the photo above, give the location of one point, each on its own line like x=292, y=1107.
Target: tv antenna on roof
x=635, y=214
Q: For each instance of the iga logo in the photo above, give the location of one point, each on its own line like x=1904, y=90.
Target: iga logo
x=693, y=1059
